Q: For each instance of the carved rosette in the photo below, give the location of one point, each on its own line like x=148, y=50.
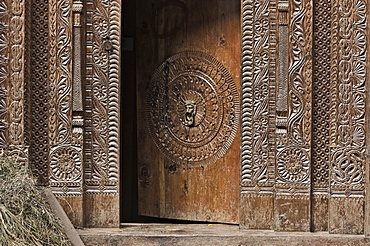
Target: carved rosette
x=293, y=165
x=192, y=109
x=66, y=165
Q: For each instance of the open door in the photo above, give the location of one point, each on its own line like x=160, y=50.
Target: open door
x=188, y=109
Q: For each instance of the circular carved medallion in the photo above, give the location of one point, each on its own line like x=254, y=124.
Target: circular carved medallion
x=192, y=108
x=293, y=165
x=65, y=164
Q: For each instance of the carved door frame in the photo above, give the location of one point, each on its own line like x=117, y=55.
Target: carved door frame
x=72, y=98
x=33, y=118
x=304, y=122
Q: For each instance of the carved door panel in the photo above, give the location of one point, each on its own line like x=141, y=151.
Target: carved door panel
x=188, y=66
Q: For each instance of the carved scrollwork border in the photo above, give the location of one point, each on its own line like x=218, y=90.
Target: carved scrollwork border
x=4, y=71
x=102, y=97
x=258, y=75
x=348, y=87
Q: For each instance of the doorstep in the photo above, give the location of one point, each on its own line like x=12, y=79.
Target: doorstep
x=209, y=234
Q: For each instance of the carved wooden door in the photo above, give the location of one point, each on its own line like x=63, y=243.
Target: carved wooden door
x=188, y=66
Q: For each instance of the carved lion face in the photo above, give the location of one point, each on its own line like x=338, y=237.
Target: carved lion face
x=190, y=112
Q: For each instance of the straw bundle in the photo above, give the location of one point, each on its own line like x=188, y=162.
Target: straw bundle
x=25, y=216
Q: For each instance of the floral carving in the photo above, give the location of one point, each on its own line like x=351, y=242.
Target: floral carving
x=293, y=165
x=350, y=78
x=66, y=164
x=102, y=96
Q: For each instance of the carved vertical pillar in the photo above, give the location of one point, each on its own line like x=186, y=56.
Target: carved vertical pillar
x=65, y=127
x=12, y=78
x=367, y=125
x=348, y=122
x=77, y=105
x=293, y=123
x=258, y=116
x=276, y=120
x=282, y=74
x=4, y=71
x=39, y=88
x=102, y=113
x=321, y=114
x=15, y=104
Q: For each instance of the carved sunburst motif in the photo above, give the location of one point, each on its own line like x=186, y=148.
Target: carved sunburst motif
x=192, y=108
x=293, y=165
x=65, y=164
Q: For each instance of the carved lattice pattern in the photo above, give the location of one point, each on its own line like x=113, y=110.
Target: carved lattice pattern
x=39, y=142
x=321, y=94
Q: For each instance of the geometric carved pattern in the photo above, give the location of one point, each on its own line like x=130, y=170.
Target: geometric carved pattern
x=348, y=167
x=102, y=96
x=4, y=78
x=192, y=109
x=88, y=105
x=321, y=92
x=39, y=142
x=348, y=101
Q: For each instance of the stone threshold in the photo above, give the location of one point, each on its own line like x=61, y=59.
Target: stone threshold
x=135, y=234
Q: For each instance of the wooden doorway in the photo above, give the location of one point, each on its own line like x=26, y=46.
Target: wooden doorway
x=188, y=163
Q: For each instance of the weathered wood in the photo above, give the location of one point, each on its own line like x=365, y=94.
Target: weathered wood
x=101, y=210
x=73, y=206
x=257, y=212
x=320, y=214
x=199, y=188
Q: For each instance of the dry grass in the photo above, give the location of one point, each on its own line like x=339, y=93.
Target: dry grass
x=25, y=216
